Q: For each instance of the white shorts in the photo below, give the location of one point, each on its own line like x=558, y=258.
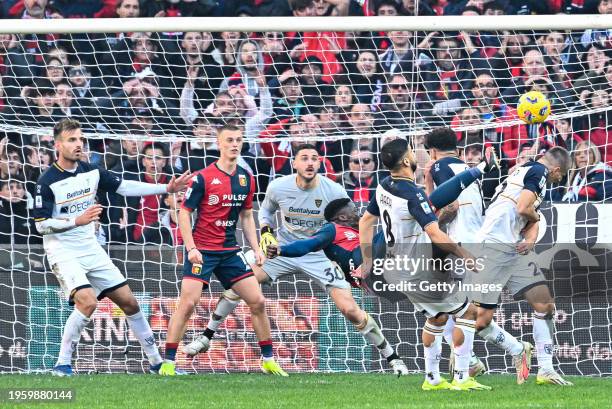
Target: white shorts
x=518, y=273
x=95, y=270
x=315, y=265
x=455, y=304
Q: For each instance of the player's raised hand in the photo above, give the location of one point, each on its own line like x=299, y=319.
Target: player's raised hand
x=195, y=257
x=179, y=184
x=267, y=239
x=92, y=214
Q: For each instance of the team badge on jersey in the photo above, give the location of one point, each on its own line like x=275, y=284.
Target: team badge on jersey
x=318, y=202
x=196, y=269
x=242, y=180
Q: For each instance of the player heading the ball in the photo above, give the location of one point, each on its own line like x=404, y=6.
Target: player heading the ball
x=222, y=194
x=65, y=212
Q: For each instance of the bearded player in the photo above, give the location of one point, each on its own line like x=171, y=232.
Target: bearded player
x=222, y=194
x=65, y=213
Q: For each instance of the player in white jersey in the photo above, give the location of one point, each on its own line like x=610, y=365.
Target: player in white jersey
x=508, y=234
x=301, y=199
x=410, y=227
x=65, y=213
x=463, y=220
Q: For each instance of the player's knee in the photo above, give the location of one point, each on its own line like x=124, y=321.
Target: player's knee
x=547, y=308
x=258, y=305
x=483, y=319
x=187, y=306
x=130, y=307
x=86, y=304
x=351, y=311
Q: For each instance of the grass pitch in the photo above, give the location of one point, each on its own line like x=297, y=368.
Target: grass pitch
x=304, y=391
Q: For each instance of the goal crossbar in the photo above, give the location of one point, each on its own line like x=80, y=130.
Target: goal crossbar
x=262, y=24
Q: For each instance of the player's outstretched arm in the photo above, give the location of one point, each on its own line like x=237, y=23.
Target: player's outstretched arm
x=321, y=239
x=250, y=233
x=366, y=237
x=136, y=188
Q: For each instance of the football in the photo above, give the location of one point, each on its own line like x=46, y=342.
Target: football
x=533, y=107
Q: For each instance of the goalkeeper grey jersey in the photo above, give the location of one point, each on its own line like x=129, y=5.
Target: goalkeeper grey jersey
x=301, y=210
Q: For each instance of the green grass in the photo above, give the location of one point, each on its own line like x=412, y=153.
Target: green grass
x=236, y=391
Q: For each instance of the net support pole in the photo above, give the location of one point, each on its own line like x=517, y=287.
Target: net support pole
x=262, y=24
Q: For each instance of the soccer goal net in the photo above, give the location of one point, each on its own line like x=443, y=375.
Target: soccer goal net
x=149, y=95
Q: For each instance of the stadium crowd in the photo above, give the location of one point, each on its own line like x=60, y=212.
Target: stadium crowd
x=342, y=87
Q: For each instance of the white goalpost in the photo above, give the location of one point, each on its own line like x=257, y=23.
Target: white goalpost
x=157, y=87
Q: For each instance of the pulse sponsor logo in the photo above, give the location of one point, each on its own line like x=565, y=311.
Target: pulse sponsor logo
x=213, y=200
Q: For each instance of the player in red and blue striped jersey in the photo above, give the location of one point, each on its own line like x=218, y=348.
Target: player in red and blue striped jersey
x=222, y=194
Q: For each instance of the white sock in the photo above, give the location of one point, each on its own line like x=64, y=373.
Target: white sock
x=542, y=335
x=433, y=354
x=75, y=324
x=448, y=331
x=499, y=336
x=463, y=352
x=140, y=327
x=372, y=332
x=227, y=303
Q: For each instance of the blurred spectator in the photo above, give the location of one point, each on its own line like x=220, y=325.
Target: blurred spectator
x=361, y=178
x=15, y=65
x=450, y=73
x=558, y=133
x=367, y=79
x=597, y=126
x=399, y=55
x=526, y=152
x=534, y=69
x=226, y=51
x=591, y=179
x=38, y=104
x=134, y=219
x=123, y=154
x=54, y=71
x=168, y=219
x=361, y=121
x=15, y=221
x=301, y=130
x=596, y=60
x=249, y=66
x=127, y=8
x=11, y=164
x=275, y=53
x=196, y=65
x=343, y=99
x=290, y=103
x=315, y=90
x=397, y=110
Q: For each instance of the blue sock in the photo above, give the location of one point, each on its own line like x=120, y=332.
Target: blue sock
x=450, y=190
x=266, y=348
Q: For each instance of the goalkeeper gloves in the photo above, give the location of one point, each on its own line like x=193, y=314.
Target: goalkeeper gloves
x=267, y=239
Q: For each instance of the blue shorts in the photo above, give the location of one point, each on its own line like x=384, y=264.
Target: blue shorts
x=228, y=266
